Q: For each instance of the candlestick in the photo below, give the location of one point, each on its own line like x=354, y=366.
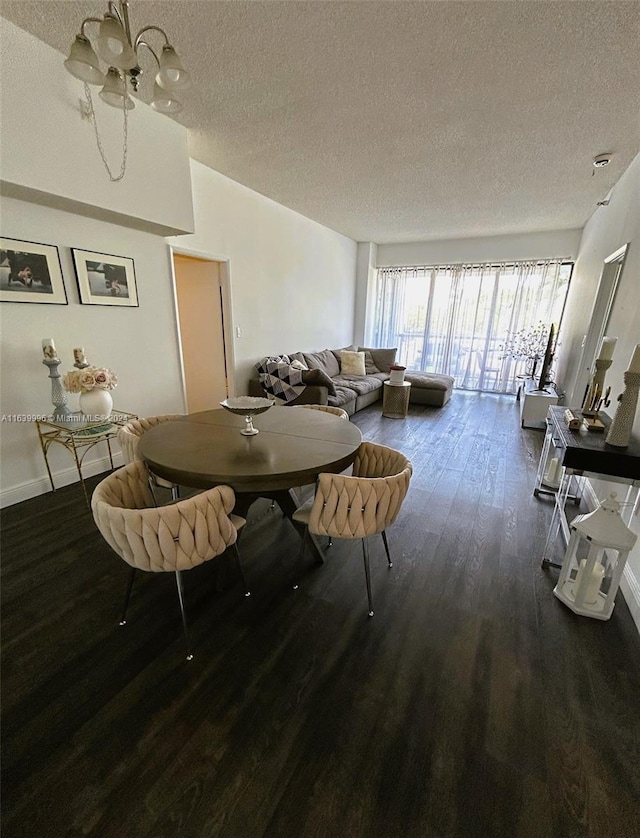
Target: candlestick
x=620, y=430
x=634, y=363
x=49, y=348
x=58, y=398
x=606, y=348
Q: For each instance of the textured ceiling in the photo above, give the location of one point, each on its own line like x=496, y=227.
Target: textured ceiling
x=401, y=121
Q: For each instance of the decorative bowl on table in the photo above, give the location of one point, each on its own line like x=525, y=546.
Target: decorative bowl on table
x=247, y=406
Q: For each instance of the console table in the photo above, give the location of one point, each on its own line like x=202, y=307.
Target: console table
x=569, y=456
x=78, y=436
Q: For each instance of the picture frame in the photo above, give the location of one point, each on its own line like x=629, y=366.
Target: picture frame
x=105, y=279
x=30, y=273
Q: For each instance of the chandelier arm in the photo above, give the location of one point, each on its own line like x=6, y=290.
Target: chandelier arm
x=88, y=20
x=139, y=40
x=124, y=17
x=141, y=43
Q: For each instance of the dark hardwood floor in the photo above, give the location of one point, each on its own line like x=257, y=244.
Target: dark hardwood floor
x=472, y=704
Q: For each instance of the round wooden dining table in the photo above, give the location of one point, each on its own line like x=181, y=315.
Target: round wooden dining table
x=293, y=446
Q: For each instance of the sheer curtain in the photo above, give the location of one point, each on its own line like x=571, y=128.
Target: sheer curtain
x=456, y=319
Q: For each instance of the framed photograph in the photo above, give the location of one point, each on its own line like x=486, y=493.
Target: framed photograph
x=30, y=273
x=105, y=280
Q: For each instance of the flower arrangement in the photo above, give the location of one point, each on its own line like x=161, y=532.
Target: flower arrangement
x=527, y=343
x=89, y=378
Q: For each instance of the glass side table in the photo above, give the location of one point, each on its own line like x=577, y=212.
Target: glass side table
x=79, y=436
x=395, y=400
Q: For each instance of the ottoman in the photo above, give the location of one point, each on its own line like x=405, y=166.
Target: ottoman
x=429, y=388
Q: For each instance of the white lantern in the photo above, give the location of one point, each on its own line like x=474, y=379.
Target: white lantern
x=596, y=554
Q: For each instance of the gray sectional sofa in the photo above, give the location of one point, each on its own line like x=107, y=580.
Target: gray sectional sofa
x=354, y=392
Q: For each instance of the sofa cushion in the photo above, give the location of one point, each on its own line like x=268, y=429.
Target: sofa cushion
x=351, y=363
x=359, y=384
x=382, y=358
x=319, y=377
x=325, y=361
x=343, y=395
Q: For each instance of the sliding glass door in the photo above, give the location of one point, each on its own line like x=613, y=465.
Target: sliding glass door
x=457, y=319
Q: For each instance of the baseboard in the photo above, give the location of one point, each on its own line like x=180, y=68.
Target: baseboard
x=64, y=477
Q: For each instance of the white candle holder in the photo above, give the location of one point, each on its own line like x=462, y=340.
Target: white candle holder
x=58, y=398
x=620, y=430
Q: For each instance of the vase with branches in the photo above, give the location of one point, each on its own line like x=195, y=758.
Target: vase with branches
x=529, y=343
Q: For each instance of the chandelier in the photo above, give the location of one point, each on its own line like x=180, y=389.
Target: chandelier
x=114, y=44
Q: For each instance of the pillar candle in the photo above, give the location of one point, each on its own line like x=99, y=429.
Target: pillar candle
x=593, y=584
x=79, y=356
x=634, y=363
x=49, y=348
x=606, y=349
x=552, y=472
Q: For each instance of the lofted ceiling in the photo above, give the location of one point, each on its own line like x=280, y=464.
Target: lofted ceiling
x=394, y=121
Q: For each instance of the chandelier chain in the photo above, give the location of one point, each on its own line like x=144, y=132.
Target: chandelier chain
x=92, y=117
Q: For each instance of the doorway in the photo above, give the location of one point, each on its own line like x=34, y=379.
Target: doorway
x=201, y=287
x=599, y=320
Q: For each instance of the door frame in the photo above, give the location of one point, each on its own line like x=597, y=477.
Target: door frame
x=227, y=314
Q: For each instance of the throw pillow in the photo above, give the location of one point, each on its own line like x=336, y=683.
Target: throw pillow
x=352, y=363
x=325, y=361
x=319, y=377
x=382, y=358
x=369, y=364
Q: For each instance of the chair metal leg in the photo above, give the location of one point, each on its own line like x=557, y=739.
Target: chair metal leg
x=175, y=492
x=367, y=573
x=247, y=592
x=184, y=616
x=303, y=544
x=330, y=544
x=132, y=576
x=386, y=547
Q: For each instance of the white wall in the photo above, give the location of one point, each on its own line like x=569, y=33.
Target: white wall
x=608, y=229
x=292, y=280
x=563, y=243
x=49, y=152
x=139, y=344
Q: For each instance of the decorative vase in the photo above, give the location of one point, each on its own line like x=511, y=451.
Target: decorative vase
x=396, y=374
x=96, y=404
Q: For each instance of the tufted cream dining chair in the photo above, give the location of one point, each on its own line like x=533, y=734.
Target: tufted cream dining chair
x=361, y=505
x=326, y=408
x=129, y=436
x=164, y=539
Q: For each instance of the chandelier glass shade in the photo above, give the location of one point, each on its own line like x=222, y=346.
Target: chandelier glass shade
x=114, y=91
x=83, y=62
x=112, y=44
